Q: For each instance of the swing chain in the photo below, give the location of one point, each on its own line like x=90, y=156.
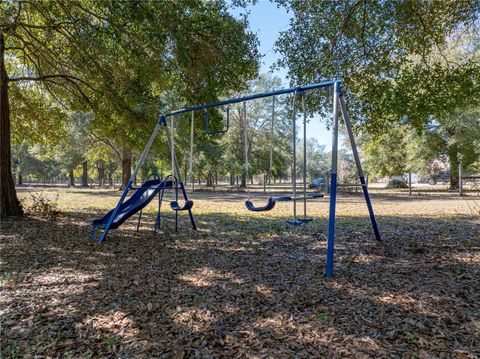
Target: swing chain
x=245, y=140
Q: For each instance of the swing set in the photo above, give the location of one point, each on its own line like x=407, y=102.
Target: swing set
x=125, y=209
x=306, y=196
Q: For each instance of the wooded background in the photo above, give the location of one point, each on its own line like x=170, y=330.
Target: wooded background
x=82, y=84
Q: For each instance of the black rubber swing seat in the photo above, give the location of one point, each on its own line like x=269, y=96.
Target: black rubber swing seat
x=273, y=200
x=176, y=206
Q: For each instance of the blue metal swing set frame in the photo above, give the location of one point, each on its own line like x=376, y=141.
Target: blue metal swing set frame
x=339, y=105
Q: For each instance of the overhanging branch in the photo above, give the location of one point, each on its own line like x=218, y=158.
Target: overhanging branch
x=69, y=78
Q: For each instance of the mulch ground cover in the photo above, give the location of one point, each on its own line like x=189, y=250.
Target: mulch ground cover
x=244, y=286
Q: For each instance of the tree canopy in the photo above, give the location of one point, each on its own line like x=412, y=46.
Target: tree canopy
x=414, y=63
x=126, y=62
x=391, y=55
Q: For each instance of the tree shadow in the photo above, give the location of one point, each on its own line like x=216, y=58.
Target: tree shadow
x=241, y=287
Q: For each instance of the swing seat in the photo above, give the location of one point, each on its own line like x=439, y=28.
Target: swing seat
x=176, y=206
x=269, y=206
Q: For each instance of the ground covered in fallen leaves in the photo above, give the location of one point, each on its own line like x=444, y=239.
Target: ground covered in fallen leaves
x=244, y=285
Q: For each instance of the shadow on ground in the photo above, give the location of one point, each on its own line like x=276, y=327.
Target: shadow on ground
x=238, y=288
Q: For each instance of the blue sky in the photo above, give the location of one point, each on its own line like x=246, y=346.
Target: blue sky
x=267, y=21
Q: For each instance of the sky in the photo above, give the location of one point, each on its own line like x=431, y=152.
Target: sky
x=267, y=20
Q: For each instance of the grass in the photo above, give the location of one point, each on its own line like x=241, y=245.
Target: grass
x=244, y=284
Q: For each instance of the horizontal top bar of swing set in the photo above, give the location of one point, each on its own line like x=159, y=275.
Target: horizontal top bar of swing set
x=254, y=97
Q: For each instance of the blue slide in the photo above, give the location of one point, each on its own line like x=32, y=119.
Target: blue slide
x=139, y=200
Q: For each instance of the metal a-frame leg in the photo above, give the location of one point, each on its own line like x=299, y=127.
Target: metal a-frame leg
x=139, y=220
x=158, y=219
x=348, y=125
x=338, y=99
x=190, y=214
x=333, y=186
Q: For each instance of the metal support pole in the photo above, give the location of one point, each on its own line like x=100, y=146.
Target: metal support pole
x=271, y=142
x=348, y=125
x=333, y=185
x=159, y=207
x=192, y=128
x=158, y=218
x=130, y=182
x=304, y=158
x=172, y=146
x=174, y=161
x=245, y=140
x=139, y=220
x=190, y=215
x=294, y=159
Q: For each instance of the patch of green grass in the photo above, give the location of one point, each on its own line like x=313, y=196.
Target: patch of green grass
x=409, y=336
x=112, y=341
x=323, y=315
x=14, y=352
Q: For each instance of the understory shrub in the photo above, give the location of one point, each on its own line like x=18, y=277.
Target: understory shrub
x=43, y=206
x=395, y=183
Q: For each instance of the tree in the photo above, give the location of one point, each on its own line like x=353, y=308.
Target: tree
x=29, y=52
x=24, y=161
x=258, y=131
x=404, y=149
x=400, y=62
x=72, y=148
x=456, y=137
x=396, y=151
x=125, y=61
x=317, y=159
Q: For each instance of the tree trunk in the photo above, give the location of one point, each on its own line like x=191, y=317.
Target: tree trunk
x=126, y=167
x=101, y=172
x=410, y=183
x=135, y=179
x=110, y=179
x=84, y=174
x=9, y=203
x=71, y=178
x=460, y=179
x=20, y=179
x=453, y=158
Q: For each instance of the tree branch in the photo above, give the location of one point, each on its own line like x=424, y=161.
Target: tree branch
x=108, y=143
x=46, y=77
x=42, y=27
x=42, y=78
